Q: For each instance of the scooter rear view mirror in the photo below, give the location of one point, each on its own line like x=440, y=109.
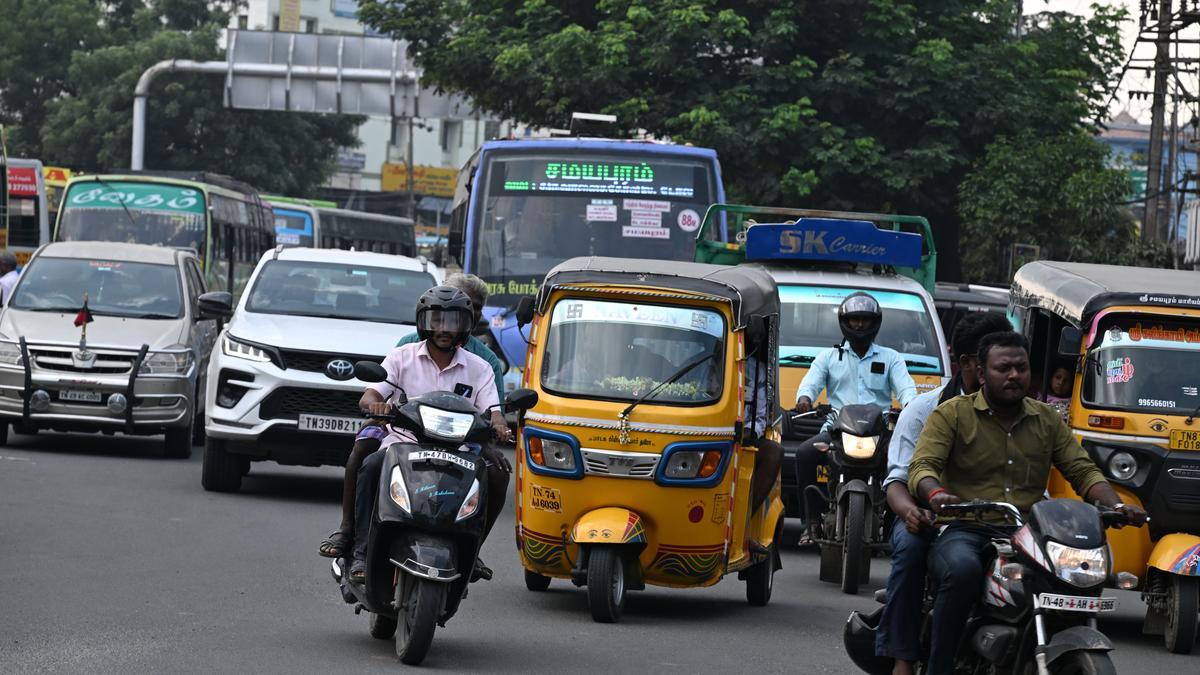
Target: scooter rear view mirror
x=369, y=371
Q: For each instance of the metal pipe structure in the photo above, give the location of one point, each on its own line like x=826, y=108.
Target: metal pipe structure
x=142, y=90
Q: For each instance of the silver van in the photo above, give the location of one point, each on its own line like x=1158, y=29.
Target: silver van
x=107, y=337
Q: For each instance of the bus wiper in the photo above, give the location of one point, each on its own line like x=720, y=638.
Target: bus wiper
x=797, y=358
x=678, y=374
x=128, y=213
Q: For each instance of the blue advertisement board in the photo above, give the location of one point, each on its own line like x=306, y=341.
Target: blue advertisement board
x=833, y=239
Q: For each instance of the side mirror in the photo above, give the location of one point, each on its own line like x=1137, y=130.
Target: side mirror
x=454, y=245
x=525, y=311
x=1069, y=341
x=521, y=399
x=216, y=305
x=369, y=371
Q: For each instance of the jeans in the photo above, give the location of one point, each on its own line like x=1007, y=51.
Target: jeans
x=899, y=632
x=957, y=562
x=808, y=457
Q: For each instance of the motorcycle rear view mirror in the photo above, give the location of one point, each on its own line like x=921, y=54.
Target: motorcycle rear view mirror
x=369, y=371
x=521, y=399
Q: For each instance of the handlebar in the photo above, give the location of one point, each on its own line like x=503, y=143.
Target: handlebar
x=974, y=510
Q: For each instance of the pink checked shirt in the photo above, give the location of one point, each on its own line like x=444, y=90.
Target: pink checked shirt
x=411, y=367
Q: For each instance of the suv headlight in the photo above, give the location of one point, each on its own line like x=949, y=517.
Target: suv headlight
x=858, y=447
x=449, y=425
x=241, y=350
x=10, y=354
x=1082, y=567
x=167, y=363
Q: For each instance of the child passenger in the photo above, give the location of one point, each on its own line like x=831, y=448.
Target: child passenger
x=1059, y=395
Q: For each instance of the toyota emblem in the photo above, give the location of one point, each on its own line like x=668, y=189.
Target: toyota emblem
x=339, y=369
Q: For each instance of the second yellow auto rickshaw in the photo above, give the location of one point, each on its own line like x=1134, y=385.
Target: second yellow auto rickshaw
x=635, y=466
x=1118, y=350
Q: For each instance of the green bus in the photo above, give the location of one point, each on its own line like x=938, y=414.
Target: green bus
x=224, y=220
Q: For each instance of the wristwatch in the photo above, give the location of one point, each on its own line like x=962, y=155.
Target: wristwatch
x=1118, y=506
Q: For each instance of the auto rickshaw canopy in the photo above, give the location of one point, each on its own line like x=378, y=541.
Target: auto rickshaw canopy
x=1078, y=291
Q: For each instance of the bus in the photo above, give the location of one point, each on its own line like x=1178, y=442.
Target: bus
x=320, y=224
x=222, y=219
x=522, y=206
x=56, y=179
x=24, y=219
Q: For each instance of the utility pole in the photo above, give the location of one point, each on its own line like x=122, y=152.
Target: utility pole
x=1162, y=68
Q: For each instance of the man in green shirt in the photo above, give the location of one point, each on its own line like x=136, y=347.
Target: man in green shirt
x=993, y=445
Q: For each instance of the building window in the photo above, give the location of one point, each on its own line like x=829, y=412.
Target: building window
x=491, y=130
x=308, y=25
x=243, y=21
x=451, y=133
x=275, y=22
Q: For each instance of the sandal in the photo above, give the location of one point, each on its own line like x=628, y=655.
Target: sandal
x=336, y=544
x=358, y=571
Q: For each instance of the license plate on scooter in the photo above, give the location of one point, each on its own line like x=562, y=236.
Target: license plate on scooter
x=1074, y=603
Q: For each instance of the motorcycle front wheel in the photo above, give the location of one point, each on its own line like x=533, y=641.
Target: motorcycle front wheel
x=855, y=533
x=1084, y=663
x=419, y=602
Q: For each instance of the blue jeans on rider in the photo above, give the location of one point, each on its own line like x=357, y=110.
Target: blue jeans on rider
x=899, y=632
x=957, y=563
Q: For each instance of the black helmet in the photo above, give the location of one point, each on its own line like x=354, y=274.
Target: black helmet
x=858, y=305
x=859, y=640
x=445, y=308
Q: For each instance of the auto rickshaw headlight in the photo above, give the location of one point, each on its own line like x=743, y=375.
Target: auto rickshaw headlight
x=552, y=454
x=1122, y=466
x=398, y=490
x=684, y=464
x=858, y=447
x=1082, y=567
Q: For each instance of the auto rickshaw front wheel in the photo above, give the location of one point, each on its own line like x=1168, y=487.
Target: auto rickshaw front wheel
x=606, y=584
x=1183, y=598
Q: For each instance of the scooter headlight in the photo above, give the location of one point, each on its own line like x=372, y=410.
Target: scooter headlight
x=448, y=425
x=398, y=490
x=1082, y=567
x=471, y=504
x=858, y=447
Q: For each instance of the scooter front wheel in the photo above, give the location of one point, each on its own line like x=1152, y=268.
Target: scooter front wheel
x=419, y=602
x=606, y=584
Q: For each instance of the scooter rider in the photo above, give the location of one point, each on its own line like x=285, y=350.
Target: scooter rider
x=445, y=318
x=898, y=634
x=862, y=372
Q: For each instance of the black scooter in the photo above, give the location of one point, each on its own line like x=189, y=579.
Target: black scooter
x=1040, y=598
x=428, y=523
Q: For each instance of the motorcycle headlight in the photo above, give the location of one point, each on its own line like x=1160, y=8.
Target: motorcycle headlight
x=10, y=354
x=858, y=447
x=167, y=362
x=241, y=350
x=1082, y=567
x=398, y=490
x=449, y=425
x=471, y=504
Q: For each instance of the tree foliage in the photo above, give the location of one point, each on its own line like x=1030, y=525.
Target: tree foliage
x=1057, y=193
x=81, y=103
x=848, y=104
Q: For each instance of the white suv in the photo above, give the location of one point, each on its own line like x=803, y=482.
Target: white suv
x=281, y=383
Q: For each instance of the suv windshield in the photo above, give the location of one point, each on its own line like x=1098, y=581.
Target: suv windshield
x=620, y=351
x=809, y=325
x=1146, y=364
x=134, y=213
x=114, y=288
x=338, y=291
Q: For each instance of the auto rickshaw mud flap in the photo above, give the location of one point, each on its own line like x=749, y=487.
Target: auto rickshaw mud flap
x=1074, y=639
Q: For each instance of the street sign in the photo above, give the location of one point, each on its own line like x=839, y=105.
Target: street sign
x=434, y=181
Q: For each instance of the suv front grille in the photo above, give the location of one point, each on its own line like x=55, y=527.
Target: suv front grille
x=291, y=402
x=314, y=362
x=61, y=360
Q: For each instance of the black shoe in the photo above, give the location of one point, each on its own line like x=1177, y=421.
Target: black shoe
x=481, y=571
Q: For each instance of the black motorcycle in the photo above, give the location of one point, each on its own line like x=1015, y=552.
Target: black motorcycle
x=428, y=523
x=1040, y=598
x=858, y=519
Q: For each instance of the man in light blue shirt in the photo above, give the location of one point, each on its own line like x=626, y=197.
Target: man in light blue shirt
x=856, y=371
x=899, y=625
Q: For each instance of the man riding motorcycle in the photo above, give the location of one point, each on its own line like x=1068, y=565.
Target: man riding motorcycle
x=863, y=372
x=445, y=318
x=993, y=445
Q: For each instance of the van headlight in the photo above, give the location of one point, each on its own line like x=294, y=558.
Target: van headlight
x=167, y=362
x=242, y=350
x=451, y=426
x=10, y=354
x=858, y=447
x=1082, y=567
x=398, y=489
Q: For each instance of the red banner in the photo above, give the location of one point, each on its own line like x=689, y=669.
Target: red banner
x=22, y=180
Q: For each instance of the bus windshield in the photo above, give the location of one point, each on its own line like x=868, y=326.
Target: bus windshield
x=136, y=213
x=540, y=209
x=293, y=227
x=809, y=326
x=113, y=288
x=1145, y=364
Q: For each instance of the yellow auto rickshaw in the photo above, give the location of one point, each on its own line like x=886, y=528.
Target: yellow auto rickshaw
x=632, y=468
x=1130, y=339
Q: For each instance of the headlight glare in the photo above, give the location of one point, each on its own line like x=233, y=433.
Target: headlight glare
x=449, y=425
x=858, y=447
x=1122, y=466
x=1082, y=567
x=398, y=490
x=471, y=504
x=241, y=350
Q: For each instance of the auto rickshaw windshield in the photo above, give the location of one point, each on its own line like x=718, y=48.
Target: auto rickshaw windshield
x=621, y=350
x=1145, y=364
